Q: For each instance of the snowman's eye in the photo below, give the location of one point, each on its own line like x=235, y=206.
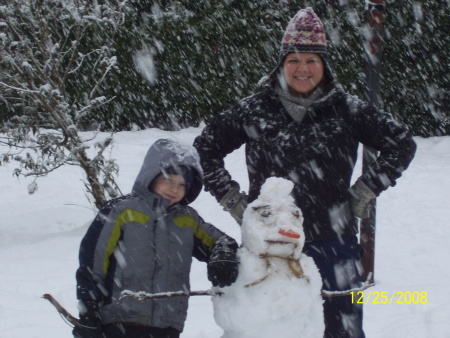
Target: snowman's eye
x=296, y=214
x=264, y=210
x=266, y=213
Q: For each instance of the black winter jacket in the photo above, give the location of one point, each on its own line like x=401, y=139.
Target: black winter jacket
x=318, y=155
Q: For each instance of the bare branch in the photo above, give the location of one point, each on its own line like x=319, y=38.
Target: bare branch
x=18, y=89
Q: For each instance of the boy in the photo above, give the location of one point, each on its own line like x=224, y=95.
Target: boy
x=145, y=241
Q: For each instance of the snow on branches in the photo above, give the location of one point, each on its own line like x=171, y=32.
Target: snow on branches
x=47, y=47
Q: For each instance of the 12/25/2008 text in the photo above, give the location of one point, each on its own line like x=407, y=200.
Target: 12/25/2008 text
x=393, y=297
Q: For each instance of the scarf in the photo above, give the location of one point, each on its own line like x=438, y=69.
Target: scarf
x=297, y=106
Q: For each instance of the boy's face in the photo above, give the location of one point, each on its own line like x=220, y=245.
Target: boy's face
x=170, y=187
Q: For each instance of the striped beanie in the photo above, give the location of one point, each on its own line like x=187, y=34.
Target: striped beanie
x=305, y=33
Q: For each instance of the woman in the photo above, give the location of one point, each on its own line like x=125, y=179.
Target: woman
x=302, y=126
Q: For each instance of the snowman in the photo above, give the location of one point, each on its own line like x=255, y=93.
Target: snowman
x=278, y=290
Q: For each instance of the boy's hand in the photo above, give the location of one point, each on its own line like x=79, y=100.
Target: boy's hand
x=89, y=325
x=222, y=272
x=81, y=331
x=223, y=263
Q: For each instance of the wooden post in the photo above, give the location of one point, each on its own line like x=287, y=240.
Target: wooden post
x=372, y=93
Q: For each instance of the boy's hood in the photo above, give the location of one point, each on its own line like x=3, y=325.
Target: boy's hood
x=163, y=154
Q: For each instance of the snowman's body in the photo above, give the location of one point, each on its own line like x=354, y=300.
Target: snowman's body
x=278, y=290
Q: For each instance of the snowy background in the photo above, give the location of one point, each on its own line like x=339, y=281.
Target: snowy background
x=40, y=235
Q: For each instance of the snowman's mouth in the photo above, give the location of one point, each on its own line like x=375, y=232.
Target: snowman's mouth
x=278, y=242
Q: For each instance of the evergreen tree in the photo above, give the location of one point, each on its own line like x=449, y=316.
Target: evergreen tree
x=206, y=56
x=179, y=62
x=416, y=74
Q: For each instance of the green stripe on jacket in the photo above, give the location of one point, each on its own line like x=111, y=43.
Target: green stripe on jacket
x=128, y=215
x=201, y=234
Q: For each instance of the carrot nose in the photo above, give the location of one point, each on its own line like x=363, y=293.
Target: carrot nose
x=289, y=233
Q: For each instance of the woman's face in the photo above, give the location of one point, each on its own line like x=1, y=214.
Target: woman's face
x=303, y=72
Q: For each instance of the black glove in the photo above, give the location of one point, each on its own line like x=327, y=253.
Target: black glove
x=360, y=199
x=235, y=203
x=89, y=325
x=223, y=262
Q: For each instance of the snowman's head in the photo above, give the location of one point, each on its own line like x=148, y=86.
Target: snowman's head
x=273, y=224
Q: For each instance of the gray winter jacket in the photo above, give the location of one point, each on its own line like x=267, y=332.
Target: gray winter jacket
x=138, y=243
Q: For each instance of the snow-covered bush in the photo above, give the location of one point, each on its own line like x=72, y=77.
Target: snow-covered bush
x=40, y=55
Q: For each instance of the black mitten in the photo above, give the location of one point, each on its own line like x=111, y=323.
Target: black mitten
x=89, y=325
x=223, y=262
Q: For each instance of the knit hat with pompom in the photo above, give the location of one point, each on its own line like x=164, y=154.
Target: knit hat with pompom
x=304, y=34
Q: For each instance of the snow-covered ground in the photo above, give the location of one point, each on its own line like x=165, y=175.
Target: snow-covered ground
x=40, y=235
